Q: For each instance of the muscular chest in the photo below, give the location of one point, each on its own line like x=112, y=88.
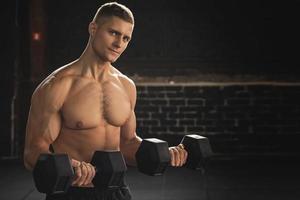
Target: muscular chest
x=93, y=104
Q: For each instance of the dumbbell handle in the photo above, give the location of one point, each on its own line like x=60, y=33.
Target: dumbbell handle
x=74, y=168
x=199, y=150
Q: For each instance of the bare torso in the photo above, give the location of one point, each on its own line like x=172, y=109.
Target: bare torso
x=91, y=116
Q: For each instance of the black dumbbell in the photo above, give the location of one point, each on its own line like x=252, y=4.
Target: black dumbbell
x=153, y=155
x=199, y=150
x=53, y=173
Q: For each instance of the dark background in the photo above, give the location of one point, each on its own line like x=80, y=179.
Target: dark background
x=215, y=41
x=188, y=37
x=235, y=72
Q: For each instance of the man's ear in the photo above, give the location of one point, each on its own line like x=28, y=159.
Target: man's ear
x=92, y=28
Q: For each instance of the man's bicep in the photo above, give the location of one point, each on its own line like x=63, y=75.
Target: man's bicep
x=44, y=119
x=128, y=130
x=43, y=126
x=129, y=140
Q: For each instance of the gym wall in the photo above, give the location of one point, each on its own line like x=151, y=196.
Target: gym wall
x=239, y=118
x=8, y=48
x=224, y=69
x=237, y=39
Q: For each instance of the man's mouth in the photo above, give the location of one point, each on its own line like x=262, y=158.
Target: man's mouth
x=116, y=52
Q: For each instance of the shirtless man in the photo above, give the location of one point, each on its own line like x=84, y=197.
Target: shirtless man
x=88, y=105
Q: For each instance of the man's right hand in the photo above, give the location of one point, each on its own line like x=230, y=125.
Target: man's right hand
x=84, y=173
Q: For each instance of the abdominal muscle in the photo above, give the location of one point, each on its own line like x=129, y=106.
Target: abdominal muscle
x=80, y=144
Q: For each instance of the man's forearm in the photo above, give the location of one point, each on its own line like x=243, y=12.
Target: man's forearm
x=31, y=156
x=129, y=148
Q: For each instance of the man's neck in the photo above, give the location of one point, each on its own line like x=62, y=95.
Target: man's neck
x=93, y=66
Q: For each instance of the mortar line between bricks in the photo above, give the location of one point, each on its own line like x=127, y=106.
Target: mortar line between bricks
x=271, y=83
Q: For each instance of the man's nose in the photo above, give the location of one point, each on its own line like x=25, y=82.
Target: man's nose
x=118, y=42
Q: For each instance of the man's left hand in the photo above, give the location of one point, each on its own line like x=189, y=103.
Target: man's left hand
x=178, y=155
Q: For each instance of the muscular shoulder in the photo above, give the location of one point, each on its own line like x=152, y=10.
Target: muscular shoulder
x=128, y=84
x=52, y=91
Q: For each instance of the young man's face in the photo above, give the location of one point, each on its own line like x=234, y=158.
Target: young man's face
x=111, y=38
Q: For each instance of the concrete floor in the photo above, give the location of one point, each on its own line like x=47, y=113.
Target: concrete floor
x=225, y=179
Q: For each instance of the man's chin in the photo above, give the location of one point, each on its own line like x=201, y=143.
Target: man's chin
x=113, y=60
x=110, y=59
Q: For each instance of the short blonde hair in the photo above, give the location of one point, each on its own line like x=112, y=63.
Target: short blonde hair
x=114, y=9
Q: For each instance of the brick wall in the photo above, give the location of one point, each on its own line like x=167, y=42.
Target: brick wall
x=247, y=118
x=239, y=119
